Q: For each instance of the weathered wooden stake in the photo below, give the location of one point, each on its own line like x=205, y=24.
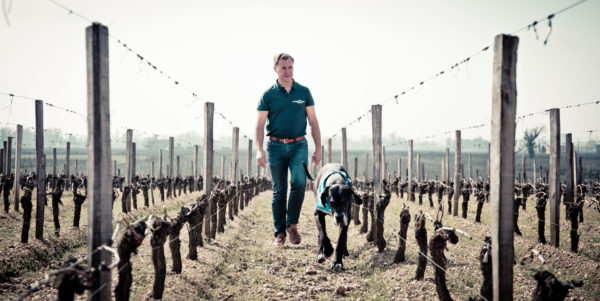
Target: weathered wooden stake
x=249, y=170
x=67, y=163
x=524, y=168
x=40, y=169
x=376, y=111
x=418, y=167
x=18, y=165
x=128, y=165
x=554, y=177
x=171, y=158
x=178, y=170
x=457, y=175
x=568, y=196
x=410, y=171
x=470, y=167
x=195, y=162
x=504, y=104
x=329, y=158
x=235, y=153
x=534, y=174
x=160, y=163
x=447, y=170
x=54, y=161
x=207, y=158
x=99, y=190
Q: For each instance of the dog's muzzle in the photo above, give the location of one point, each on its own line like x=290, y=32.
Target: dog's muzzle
x=340, y=219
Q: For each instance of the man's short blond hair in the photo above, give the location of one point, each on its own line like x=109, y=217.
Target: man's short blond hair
x=281, y=57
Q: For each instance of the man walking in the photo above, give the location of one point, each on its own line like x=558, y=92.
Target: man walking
x=286, y=106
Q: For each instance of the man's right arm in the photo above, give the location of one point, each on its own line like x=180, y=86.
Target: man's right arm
x=259, y=135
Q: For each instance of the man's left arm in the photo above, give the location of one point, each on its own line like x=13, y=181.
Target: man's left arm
x=315, y=131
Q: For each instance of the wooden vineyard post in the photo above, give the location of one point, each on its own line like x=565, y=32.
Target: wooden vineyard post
x=457, y=175
x=160, y=163
x=99, y=190
x=54, y=161
x=249, y=169
x=569, y=174
x=329, y=159
x=171, y=165
x=344, y=150
x=207, y=157
x=8, y=156
x=195, y=162
x=419, y=167
x=376, y=111
x=502, y=163
x=18, y=164
x=133, y=158
x=40, y=169
x=399, y=173
x=410, y=171
x=67, y=163
x=447, y=169
x=524, y=168
x=470, y=167
x=128, y=165
x=235, y=154
x=554, y=177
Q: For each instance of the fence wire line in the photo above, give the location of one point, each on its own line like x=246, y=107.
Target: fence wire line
x=464, y=61
x=487, y=124
x=151, y=65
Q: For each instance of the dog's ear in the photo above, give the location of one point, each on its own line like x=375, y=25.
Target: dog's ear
x=324, y=195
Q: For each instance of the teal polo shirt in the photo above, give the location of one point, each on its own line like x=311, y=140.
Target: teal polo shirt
x=287, y=111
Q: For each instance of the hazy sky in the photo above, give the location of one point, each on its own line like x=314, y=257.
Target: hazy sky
x=351, y=54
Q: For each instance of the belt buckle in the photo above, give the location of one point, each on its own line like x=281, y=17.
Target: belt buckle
x=288, y=140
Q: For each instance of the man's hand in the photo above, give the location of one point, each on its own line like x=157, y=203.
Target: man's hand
x=316, y=157
x=261, y=158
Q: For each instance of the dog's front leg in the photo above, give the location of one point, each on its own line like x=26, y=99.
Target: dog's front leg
x=341, y=250
x=325, y=247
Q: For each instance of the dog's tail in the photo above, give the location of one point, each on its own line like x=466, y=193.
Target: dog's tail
x=306, y=170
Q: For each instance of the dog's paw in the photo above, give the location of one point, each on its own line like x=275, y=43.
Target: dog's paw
x=338, y=267
x=320, y=258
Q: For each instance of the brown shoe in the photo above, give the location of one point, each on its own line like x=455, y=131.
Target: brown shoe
x=294, y=235
x=280, y=239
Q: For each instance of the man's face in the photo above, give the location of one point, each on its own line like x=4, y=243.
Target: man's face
x=285, y=70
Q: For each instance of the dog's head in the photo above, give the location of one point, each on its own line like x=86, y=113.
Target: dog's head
x=339, y=197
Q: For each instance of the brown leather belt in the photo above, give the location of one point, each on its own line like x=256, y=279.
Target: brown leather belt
x=283, y=140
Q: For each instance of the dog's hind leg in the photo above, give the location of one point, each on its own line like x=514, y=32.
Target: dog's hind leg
x=341, y=250
x=325, y=247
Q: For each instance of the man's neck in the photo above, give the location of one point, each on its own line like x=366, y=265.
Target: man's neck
x=287, y=85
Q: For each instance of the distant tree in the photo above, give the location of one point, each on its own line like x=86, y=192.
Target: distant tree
x=529, y=138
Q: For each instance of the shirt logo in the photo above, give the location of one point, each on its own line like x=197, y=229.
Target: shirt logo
x=299, y=101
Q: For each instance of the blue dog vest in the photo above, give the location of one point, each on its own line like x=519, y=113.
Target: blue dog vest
x=325, y=208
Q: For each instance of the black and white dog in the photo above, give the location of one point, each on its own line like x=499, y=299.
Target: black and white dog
x=334, y=196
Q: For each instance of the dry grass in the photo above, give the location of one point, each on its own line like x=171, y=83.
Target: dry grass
x=242, y=263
